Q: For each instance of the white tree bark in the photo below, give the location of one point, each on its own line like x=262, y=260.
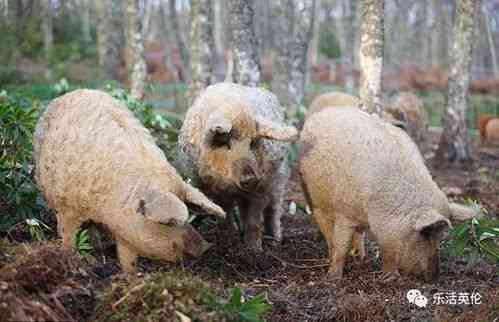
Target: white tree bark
x=137, y=68
x=371, y=55
x=202, y=47
x=455, y=142
x=246, y=68
x=295, y=21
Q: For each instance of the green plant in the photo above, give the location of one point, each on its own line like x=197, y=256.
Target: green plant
x=328, y=43
x=20, y=198
x=36, y=229
x=475, y=237
x=82, y=243
x=238, y=309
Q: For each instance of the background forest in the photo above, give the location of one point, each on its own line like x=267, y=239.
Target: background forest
x=156, y=56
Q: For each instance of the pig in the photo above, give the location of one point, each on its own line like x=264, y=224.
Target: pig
x=233, y=143
x=361, y=173
x=406, y=106
x=339, y=99
x=95, y=162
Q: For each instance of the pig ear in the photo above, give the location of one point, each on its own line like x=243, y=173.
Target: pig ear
x=195, y=197
x=164, y=208
x=459, y=213
x=432, y=225
x=269, y=130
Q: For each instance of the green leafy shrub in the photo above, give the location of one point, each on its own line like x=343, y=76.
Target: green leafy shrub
x=239, y=309
x=20, y=198
x=475, y=237
x=82, y=243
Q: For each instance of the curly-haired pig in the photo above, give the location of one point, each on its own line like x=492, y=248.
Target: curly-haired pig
x=407, y=107
x=96, y=162
x=233, y=141
x=363, y=173
x=339, y=99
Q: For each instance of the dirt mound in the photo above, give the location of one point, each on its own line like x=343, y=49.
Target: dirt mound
x=164, y=296
x=46, y=283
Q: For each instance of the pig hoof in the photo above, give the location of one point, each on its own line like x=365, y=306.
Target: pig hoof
x=334, y=276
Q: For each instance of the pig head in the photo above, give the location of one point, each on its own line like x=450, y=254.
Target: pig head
x=416, y=251
x=232, y=155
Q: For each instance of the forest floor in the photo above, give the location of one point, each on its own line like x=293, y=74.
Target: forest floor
x=40, y=281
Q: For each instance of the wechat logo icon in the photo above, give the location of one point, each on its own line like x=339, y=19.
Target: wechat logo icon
x=416, y=297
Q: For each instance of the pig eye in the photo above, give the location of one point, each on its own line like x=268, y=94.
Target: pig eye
x=220, y=140
x=254, y=144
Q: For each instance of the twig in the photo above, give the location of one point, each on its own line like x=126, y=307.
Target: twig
x=284, y=263
x=134, y=289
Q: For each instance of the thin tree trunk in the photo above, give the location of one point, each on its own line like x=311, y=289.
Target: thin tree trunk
x=47, y=28
x=110, y=37
x=202, y=47
x=137, y=68
x=166, y=40
x=184, y=53
x=85, y=20
x=371, y=55
x=350, y=28
x=490, y=41
x=246, y=70
x=455, y=141
x=314, y=49
x=292, y=63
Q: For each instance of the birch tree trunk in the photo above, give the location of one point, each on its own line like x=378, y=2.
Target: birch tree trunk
x=137, y=68
x=246, y=64
x=350, y=36
x=371, y=55
x=202, y=47
x=110, y=37
x=166, y=40
x=184, y=53
x=47, y=29
x=85, y=20
x=490, y=41
x=296, y=23
x=455, y=142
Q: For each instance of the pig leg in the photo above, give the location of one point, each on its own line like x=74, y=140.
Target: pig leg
x=342, y=241
x=68, y=226
x=272, y=220
x=326, y=225
x=228, y=206
x=126, y=256
x=358, y=244
x=251, y=219
x=390, y=256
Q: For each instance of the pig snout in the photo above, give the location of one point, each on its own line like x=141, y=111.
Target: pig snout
x=192, y=243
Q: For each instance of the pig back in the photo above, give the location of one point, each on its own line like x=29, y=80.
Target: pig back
x=90, y=152
x=354, y=159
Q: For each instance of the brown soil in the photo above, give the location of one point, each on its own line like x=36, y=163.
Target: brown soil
x=47, y=283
